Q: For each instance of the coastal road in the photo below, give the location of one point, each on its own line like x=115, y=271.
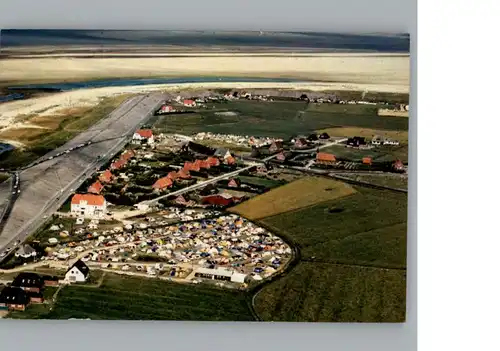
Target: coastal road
x=47, y=185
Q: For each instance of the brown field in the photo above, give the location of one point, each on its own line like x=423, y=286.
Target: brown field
x=23, y=134
x=392, y=113
x=401, y=135
x=298, y=194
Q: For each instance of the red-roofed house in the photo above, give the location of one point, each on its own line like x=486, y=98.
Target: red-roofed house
x=189, y=103
x=143, y=135
x=233, y=183
x=106, y=176
x=229, y=160
x=398, y=166
x=173, y=175
x=281, y=156
x=167, y=109
x=127, y=155
x=367, y=160
x=163, y=183
x=95, y=188
x=118, y=164
x=189, y=166
x=222, y=200
x=213, y=161
x=89, y=205
x=325, y=158
x=183, y=174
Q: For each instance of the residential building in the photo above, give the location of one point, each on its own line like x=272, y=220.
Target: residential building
x=391, y=142
x=324, y=158
x=95, y=188
x=166, y=109
x=276, y=146
x=213, y=161
x=106, y=176
x=118, y=164
x=29, y=282
x=13, y=298
x=312, y=137
x=163, y=183
x=189, y=103
x=324, y=136
x=173, y=175
x=89, y=205
x=221, y=200
x=367, y=160
x=234, y=183
x=356, y=141
x=26, y=251
x=78, y=272
x=398, y=166
x=221, y=152
x=143, y=135
x=300, y=143
x=50, y=280
x=220, y=273
x=229, y=160
x=183, y=174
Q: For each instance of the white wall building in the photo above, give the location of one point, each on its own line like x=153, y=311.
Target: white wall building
x=88, y=205
x=143, y=135
x=77, y=273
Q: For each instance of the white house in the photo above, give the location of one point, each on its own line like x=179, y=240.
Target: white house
x=220, y=274
x=143, y=135
x=391, y=142
x=78, y=272
x=88, y=205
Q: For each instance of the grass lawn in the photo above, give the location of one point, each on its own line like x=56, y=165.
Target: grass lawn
x=381, y=153
x=148, y=299
x=352, y=260
x=4, y=177
x=281, y=119
x=369, y=133
x=300, y=193
x=393, y=181
x=333, y=293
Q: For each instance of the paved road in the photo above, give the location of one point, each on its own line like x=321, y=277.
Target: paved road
x=206, y=182
x=48, y=184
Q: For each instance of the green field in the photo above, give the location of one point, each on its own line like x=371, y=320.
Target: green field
x=277, y=119
x=149, y=299
x=379, y=154
x=322, y=292
x=34, y=311
x=392, y=181
x=352, y=261
x=268, y=183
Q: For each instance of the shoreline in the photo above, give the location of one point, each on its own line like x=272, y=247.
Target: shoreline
x=50, y=104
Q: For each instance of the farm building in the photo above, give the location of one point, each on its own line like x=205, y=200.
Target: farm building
x=78, y=272
x=95, y=188
x=89, y=205
x=163, y=183
x=29, y=282
x=106, y=176
x=324, y=158
x=189, y=103
x=13, y=298
x=143, y=135
x=25, y=251
x=220, y=274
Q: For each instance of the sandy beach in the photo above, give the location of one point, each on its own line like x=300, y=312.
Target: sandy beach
x=363, y=72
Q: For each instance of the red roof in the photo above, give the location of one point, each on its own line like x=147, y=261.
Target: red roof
x=118, y=164
x=230, y=160
x=188, y=102
x=213, y=161
x=95, y=188
x=323, y=156
x=217, y=200
x=145, y=133
x=173, y=175
x=189, y=166
x=167, y=108
x=367, y=160
x=163, y=183
x=127, y=155
x=183, y=174
x=91, y=199
x=106, y=176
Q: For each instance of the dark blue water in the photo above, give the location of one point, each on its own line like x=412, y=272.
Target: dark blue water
x=313, y=40
x=144, y=81
x=11, y=97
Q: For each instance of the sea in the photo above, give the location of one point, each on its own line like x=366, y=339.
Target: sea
x=331, y=42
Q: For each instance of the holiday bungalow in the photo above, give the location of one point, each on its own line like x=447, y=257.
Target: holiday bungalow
x=13, y=298
x=29, y=282
x=95, y=188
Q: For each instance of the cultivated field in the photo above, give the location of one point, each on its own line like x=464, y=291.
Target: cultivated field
x=149, y=299
x=389, y=180
x=400, y=135
x=298, y=194
x=352, y=260
x=323, y=292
